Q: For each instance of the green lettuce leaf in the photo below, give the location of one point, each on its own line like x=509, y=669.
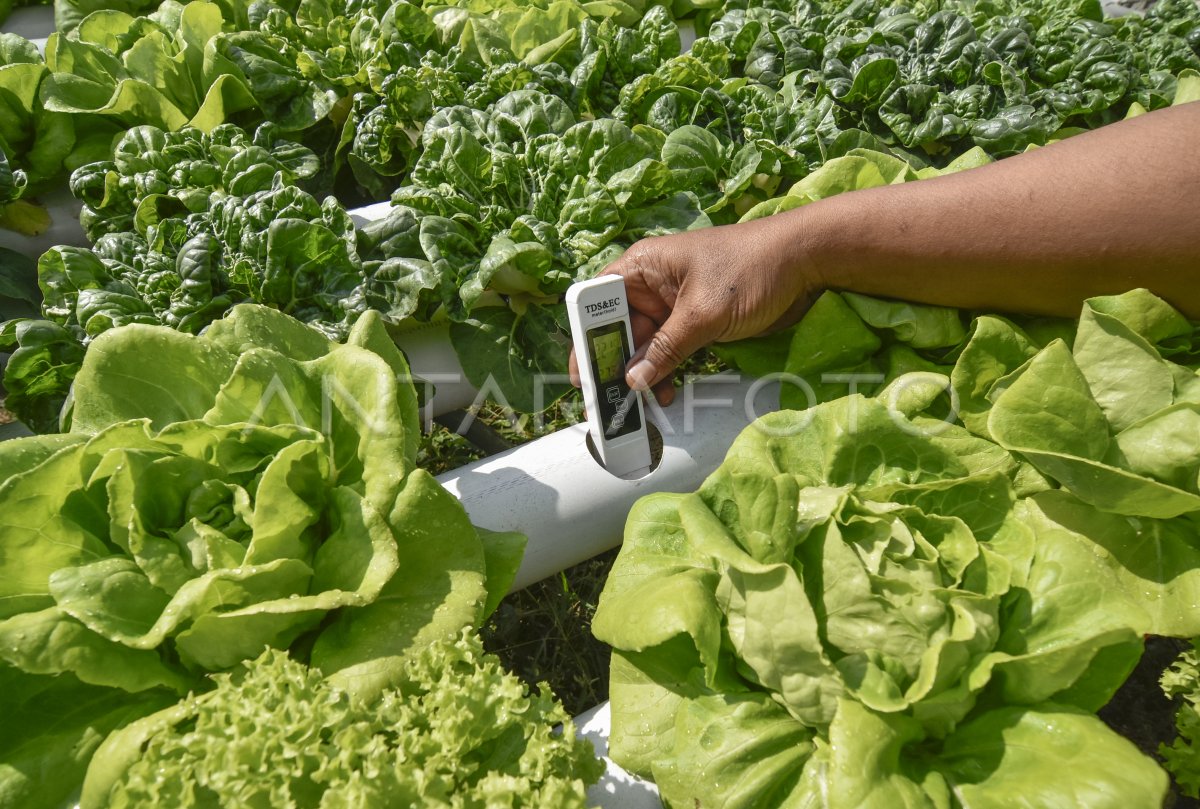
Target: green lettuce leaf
x=926, y=605
x=254, y=486
x=1111, y=419
x=455, y=728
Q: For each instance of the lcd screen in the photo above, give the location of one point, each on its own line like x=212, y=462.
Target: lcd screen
x=608, y=347
x=610, y=361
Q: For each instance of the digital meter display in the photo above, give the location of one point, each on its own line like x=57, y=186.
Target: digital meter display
x=608, y=348
x=609, y=360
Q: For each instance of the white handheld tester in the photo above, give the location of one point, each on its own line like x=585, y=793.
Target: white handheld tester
x=599, y=316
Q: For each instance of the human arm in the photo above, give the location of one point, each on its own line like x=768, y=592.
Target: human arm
x=1099, y=213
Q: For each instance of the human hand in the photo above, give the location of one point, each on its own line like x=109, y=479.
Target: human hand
x=687, y=290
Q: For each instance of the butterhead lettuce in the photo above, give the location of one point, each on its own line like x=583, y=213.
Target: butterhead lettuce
x=857, y=610
x=254, y=486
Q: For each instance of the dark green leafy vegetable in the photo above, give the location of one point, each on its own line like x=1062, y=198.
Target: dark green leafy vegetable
x=934, y=79
x=513, y=203
x=43, y=360
x=19, y=294
x=156, y=175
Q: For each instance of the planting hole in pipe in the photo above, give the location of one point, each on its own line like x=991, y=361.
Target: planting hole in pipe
x=656, y=452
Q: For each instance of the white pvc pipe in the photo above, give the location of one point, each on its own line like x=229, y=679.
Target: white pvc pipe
x=432, y=360
x=64, y=225
x=687, y=35
x=430, y=355
x=553, y=490
x=31, y=22
x=617, y=788
x=370, y=213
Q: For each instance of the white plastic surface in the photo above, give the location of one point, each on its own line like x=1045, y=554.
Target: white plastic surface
x=369, y=213
x=64, y=226
x=1119, y=8
x=554, y=491
x=617, y=789
x=687, y=35
x=431, y=358
x=31, y=22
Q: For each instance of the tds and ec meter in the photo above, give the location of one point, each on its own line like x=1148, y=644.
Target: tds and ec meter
x=603, y=340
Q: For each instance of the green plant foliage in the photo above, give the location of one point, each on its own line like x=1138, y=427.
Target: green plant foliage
x=456, y=730
x=1182, y=681
x=157, y=175
x=935, y=78
x=356, y=82
x=35, y=145
x=1063, y=506
x=177, y=66
x=69, y=13
x=531, y=143
x=849, y=341
x=254, y=486
x=19, y=294
x=12, y=183
x=189, y=224
x=935, y=631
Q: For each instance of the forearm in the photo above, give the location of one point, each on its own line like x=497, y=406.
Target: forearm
x=1100, y=213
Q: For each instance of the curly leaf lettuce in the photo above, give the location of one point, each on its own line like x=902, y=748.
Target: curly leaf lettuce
x=1179, y=682
x=852, y=343
x=456, y=730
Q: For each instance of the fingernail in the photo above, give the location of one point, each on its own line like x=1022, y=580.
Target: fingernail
x=640, y=375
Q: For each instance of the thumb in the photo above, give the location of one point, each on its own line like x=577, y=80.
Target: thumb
x=681, y=335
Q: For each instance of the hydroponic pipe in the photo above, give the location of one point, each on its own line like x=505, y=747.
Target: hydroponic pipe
x=369, y=213
x=427, y=347
x=64, y=225
x=617, y=788
x=30, y=22
x=434, y=364
x=553, y=490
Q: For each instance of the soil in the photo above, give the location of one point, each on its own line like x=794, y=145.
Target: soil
x=1142, y=713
